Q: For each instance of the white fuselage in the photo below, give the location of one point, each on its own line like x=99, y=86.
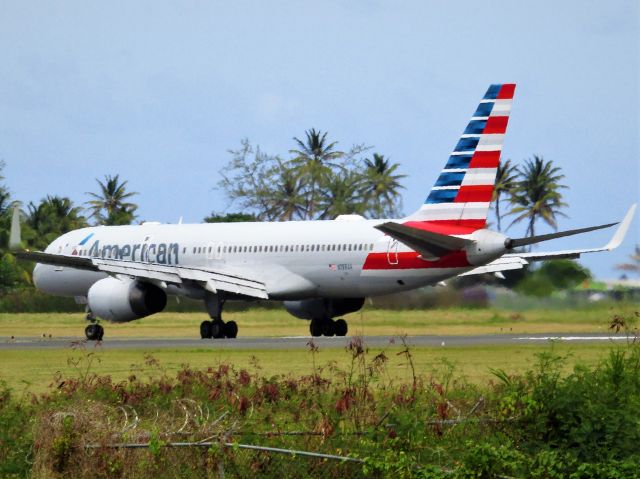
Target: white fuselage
x=295, y=260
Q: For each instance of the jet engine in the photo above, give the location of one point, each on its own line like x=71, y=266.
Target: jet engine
x=121, y=301
x=322, y=308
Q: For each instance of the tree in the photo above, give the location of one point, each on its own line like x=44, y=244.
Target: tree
x=559, y=274
x=109, y=206
x=340, y=195
x=5, y=197
x=285, y=199
x=634, y=265
x=380, y=187
x=277, y=189
x=229, y=218
x=5, y=211
x=537, y=194
x=252, y=178
x=506, y=181
x=52, y=217
x=314, y=162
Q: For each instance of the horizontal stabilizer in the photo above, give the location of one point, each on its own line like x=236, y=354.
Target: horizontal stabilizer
x=427, y=243
x=615, y=241
x=515, y=243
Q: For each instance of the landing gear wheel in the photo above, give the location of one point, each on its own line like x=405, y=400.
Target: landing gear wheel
x=329, y=327
x=315, y=328
x=230, y=329
x=340, y=327
x=94, y=332
x=205, y=330
x=217, y=328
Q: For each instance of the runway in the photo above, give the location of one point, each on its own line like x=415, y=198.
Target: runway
x=302, y=342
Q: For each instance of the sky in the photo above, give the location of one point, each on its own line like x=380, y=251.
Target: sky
x=159, y=91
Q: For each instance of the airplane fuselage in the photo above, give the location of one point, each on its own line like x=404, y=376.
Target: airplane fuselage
x=295, y=260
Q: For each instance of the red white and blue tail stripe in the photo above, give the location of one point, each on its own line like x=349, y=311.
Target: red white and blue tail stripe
x=462, y=194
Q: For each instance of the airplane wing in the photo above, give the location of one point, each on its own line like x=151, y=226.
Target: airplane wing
x=498, y=265
x=427, y=243
x=213, y=280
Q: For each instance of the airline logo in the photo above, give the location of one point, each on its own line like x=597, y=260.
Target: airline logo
x=463, y=191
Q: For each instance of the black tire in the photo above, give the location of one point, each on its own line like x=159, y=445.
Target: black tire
x=340, y=327
x=100, y=333
x=205, y=330
x=217, y=329
x=230, y=329
x=315, y=328
x=329, y=328
x=92, y=332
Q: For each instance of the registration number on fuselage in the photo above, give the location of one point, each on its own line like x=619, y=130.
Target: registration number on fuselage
x=341, y=267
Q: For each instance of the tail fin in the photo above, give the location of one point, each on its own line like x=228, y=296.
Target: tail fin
x=462, y=193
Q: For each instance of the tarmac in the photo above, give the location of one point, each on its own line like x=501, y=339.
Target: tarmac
x=302, y=342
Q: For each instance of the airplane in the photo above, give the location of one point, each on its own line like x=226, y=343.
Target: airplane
x=321, y=270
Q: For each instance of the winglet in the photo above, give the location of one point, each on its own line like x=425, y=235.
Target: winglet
x=621, y=232
x=14, y=235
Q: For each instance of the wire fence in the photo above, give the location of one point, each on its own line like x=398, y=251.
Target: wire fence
x=218, y=459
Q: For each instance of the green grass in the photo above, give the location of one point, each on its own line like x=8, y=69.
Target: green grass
x=35, y=370
x=262, y=322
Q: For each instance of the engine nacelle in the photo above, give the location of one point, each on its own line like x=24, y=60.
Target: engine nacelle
x=323, y=307
x=121, y=301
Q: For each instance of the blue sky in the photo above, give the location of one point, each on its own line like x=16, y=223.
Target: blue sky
x=159, y=91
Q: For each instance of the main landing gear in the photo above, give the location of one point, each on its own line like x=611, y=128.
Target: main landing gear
x=328, y=327
x=93, y=332
x=216, y=328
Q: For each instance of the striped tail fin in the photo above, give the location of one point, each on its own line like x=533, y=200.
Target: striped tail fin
x=459, y=201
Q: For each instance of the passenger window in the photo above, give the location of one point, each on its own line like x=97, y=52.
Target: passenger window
x=371, y=247
x=312, y=247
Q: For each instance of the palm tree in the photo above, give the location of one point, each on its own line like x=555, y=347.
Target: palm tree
x=286, y=201
x=506, y=180
x=52, y=217
x=314, y=162
x=380, y=186
x=634, y=265
x=340, y=195
x=109, y=206
x=537, y=195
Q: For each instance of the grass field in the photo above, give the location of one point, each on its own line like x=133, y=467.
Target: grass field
x=35, y=370
x=263, y=322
